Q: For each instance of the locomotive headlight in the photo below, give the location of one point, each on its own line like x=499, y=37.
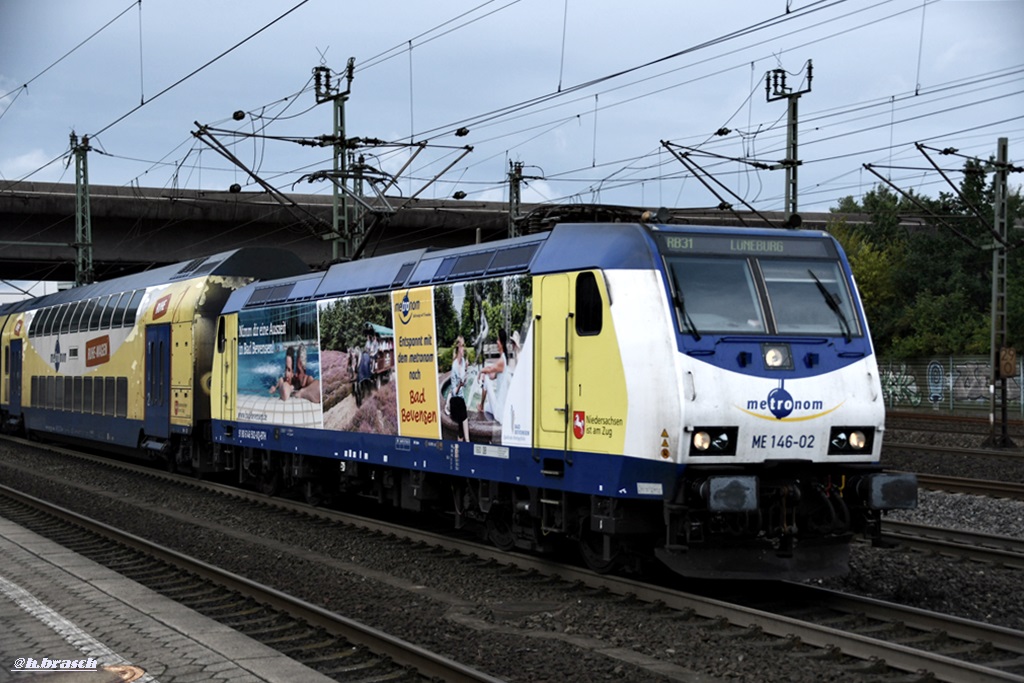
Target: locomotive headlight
x=777, y=356
x=850, y=440
x=714, y=440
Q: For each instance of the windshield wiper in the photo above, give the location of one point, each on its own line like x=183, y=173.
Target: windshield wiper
x=677, y=295
x=833, y=303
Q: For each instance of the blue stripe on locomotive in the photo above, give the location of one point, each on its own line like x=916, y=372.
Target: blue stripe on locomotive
x=601, y=474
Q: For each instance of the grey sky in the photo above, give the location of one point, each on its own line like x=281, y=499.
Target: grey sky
x=887, y=73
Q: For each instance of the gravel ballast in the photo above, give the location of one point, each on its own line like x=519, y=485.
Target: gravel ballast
x=483, y=615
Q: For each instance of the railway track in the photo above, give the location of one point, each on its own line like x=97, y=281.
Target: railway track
x=977, y=487
x=892, y=638
x=948, y=648
x=334, y=645
x=953, y=450
x=999, y=550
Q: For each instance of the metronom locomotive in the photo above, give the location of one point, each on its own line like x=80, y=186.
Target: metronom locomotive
x=704, y=397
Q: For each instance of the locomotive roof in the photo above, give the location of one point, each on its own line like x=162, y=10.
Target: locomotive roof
x=567, y=247
x=259, y=262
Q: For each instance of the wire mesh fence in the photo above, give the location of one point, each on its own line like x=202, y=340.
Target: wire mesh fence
x=953, y=384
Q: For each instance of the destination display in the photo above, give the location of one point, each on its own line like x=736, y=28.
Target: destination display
x=745, y=246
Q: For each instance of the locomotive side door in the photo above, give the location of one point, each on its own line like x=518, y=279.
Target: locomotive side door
x=597, y=386
x=157, y=420
x=14, y=381
x=223, y=385
x=551, y=365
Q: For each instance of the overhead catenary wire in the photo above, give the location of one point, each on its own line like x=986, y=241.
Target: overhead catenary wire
x=761, y=137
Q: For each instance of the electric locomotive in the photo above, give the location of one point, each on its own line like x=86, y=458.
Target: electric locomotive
x=708, y=397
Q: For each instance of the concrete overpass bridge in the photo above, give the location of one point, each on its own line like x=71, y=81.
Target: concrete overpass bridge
x=136, y=228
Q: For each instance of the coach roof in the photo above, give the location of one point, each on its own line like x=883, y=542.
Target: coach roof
x=253, y=262
x=565, y=248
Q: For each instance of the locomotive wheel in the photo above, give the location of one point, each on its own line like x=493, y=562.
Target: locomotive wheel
x=591, y=546
x=270, y=482
x=312, y=493
x=499, y=528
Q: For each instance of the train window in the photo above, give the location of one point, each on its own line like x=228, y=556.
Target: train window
x=472, y=264
x=57, y=324
x=97, y=314
x=86, y=317
x=259, y=296
x=402, y=274
x=222, y=335
x=76, y=316
x=35, y=395
x=122, y=305
x=589, y=305
x=87, y=395
x=121, y=409
x=62, y=314
x=109, y=395
x=97, y=310
x=39, y=322
x=133, y=307
x=58, y=396
x=46, y=320
x=426, y=270
x=58, y=318
x=108, y=311
x=514, y=258
x=715, y=294
x=76, y=395
x=97, y=396
x=280, y=292
x=809, y=297
x=66, y=324
x=52, y=320
x=189, y=267
x=445, y=268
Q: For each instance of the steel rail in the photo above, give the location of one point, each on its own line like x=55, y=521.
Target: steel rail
x=978, y=487
x=427, y=663
x=952, y=450
x=999, y=550
x=859, y=646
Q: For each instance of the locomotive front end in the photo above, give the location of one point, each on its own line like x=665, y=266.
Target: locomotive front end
x=782, y=411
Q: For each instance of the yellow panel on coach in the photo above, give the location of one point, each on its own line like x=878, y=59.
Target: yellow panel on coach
x=223, y=385
x=178, y=306
x=580, y=382
x=8, y=325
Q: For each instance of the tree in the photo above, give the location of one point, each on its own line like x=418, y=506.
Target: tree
x=926, y=282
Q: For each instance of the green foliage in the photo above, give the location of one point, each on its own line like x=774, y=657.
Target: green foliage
x=926, y=282
x=943, y=324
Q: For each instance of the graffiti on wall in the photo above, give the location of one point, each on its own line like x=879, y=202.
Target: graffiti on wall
x=899, y=385
x=947, y=384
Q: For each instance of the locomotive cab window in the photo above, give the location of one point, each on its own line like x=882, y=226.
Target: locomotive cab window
x=809, y=297
x=761, y=285
x=716, y=294
x=589, y=305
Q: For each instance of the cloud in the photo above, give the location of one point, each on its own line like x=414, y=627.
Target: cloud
x=16, y=168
